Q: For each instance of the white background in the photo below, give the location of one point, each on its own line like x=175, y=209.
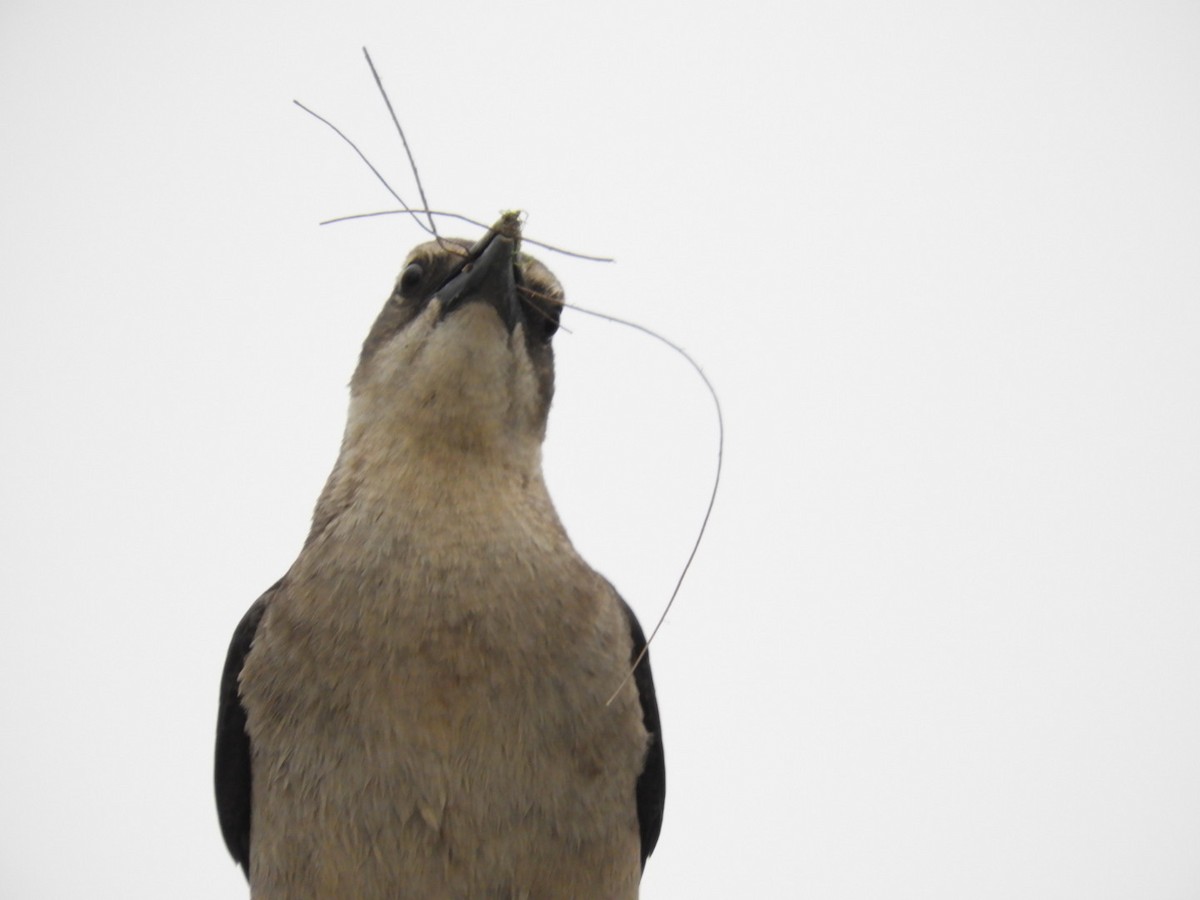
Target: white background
x=941, y=260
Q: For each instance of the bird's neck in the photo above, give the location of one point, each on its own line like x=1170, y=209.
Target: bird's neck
x=432, y=495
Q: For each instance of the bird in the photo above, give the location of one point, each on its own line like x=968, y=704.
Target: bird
x=423, y=705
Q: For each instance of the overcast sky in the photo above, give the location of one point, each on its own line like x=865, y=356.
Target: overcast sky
x=941, y=260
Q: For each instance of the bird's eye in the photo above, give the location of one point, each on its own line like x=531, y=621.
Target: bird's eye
x=542, y=314
x=549, y=315
x=410, y=278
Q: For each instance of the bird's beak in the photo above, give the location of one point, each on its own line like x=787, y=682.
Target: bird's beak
x=489, y=276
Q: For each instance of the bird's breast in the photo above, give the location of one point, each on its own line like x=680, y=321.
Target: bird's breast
x=425, y=700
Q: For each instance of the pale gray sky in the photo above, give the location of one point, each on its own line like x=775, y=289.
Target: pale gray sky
x=940, y=259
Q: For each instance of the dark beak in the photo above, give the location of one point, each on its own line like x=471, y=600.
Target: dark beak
x=489, y=275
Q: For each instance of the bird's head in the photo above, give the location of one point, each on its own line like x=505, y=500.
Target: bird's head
x=460, y=358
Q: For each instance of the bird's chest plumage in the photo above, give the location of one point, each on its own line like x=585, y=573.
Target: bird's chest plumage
x=415, y=701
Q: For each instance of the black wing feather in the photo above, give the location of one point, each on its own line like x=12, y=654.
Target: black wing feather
x=232, y=768
x=652, y=783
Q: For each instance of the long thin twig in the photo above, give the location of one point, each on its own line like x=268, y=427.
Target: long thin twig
x=431, y=226
x=353, y=146
x=470, y=221
x=712, y=499
x=396, y=121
